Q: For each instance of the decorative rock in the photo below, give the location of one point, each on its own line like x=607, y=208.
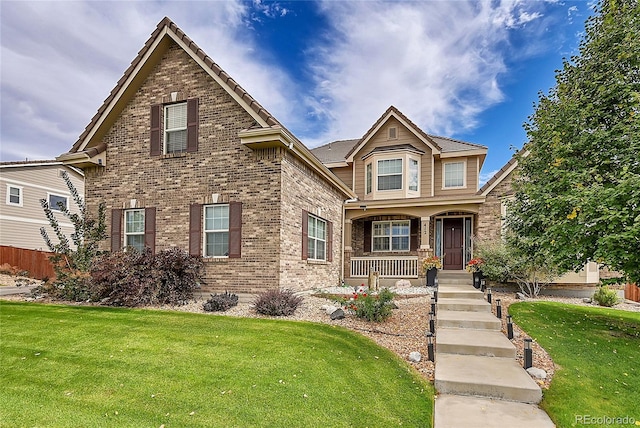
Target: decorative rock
x=329, y=309
x=520, y=296
x=415, y=357
x=537, y=373
x=338, y=314
x=403, y=283
x=587, y=300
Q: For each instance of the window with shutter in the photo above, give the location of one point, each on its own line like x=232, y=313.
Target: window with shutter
x=177, y=130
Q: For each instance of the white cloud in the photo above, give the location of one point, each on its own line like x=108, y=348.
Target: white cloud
x=438, y=62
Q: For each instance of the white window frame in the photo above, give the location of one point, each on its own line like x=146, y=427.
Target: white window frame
x=368, y=183
x=206, y=231
x=128, y=233
x=390, y=236
x=378, y=174
x=464, y=174
x=54, y=207
x=313, y=240
x=20, y=195
x=168, y=130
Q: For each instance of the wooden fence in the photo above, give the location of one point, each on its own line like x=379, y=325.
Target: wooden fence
x=632, y=292
x=35, y=262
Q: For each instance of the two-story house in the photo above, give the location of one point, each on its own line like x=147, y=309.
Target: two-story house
x=417, y=195
x=184, y=157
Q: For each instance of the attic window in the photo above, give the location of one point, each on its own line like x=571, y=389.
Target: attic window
x=175, y=130
x=393, y=133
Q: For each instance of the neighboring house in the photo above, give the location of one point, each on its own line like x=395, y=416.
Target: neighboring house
x=184, y=157
x=497, y=191
x=22, y=186
x=417, y=196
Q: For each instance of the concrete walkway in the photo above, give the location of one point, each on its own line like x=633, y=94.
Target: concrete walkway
x=478, y=379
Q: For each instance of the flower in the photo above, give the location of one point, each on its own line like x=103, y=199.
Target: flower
x=431, y=262
x=475, y=265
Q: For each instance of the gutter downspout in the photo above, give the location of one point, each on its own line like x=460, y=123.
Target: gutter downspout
x=344, y=216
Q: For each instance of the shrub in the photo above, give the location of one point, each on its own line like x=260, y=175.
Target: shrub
x=134, y=278
x=372, y=307
x=277, y=302
x=220, y=302
x=605, y=296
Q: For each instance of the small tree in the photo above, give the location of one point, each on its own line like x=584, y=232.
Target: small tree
x=70, y=264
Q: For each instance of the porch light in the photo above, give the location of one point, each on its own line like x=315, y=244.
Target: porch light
x=433, y=305
x=498, y=309
x=483, y=284
x=509, y=327
x=430, y=351
x=363, y=207
x=432, y=322
x=528, y=353
x=488, y=295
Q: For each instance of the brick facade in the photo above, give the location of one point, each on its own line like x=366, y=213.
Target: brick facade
x=272, y=186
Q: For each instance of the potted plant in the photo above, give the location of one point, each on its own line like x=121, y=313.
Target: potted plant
x=430, y=267
x=475, y=266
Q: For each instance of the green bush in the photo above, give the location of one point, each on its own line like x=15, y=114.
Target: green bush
x=605, y=296
x=277, y=302
x=372, y=307
x=221, y=302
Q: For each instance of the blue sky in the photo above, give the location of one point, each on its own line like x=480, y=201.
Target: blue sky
x=326, y=69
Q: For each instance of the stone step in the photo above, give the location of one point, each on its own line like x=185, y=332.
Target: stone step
x=474, y=342
x=493, y=377
x=455, y=411
x=471, y=320
x=459, y=292
x=467, y=305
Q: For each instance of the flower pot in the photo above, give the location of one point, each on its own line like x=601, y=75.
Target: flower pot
x=477, y=278
x=431, y=277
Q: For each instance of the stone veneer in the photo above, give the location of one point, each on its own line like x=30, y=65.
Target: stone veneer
x=272, y=187
x=489, y=218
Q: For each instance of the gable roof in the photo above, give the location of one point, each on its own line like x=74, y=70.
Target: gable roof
x=342, y=152
x=89, y=146
x=167, y=30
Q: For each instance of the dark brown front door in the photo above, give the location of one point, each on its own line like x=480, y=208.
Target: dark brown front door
x=453, y=243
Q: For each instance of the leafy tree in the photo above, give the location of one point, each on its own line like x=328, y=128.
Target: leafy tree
x=577, y=197
x=72, y=263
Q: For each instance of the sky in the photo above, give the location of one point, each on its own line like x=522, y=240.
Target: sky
x=327, y=70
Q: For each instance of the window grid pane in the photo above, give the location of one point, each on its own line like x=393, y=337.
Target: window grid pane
x=454, y=174
x=14, y=195
x=216, y=231
x=390, y=174
x=176, y=116
x=316, y=238
x=134, y=229
x=391, y=236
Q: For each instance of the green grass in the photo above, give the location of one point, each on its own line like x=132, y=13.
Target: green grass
x=90, y=366
x=598, y=354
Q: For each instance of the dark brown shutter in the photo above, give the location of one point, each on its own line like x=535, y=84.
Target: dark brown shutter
x=414, y=239
x=192, y=125
x=116, y=229
x=195, y=229
x=329, y=241
x=235, y=230
x=305, y=235
x=150, y=229
x=367, y=236
x=156, y=140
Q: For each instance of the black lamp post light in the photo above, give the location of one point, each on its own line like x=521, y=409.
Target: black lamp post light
x=488, y=295
x=433, y=305
x=483, y=285
x=432, y=323
x=509, y=328
x=498, y=309
x=430, y=352
x=528, y=353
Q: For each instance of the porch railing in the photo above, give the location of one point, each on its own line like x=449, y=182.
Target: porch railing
x=389, y=266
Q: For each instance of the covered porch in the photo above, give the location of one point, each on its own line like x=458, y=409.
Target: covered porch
x=394, y=242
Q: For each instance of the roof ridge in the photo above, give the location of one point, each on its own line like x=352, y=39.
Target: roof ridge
x=457, y=141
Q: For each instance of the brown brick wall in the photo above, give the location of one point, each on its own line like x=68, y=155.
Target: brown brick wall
x=489, y=219
x=222, y=165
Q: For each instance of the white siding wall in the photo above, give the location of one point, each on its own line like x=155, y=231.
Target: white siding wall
x=20, y=225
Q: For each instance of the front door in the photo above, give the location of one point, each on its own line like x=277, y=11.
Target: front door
x=453, y=243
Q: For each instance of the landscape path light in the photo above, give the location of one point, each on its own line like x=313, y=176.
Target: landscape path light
x=498, y=309
x=509, y=327
x=489, y=295
x=430, y=352
x=528, y=353
x=432, y=322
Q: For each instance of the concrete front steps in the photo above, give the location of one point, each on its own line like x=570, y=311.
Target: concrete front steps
x=477, y=376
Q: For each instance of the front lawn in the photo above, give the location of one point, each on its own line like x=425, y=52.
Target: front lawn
x=96, y=366
x=597, y=352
